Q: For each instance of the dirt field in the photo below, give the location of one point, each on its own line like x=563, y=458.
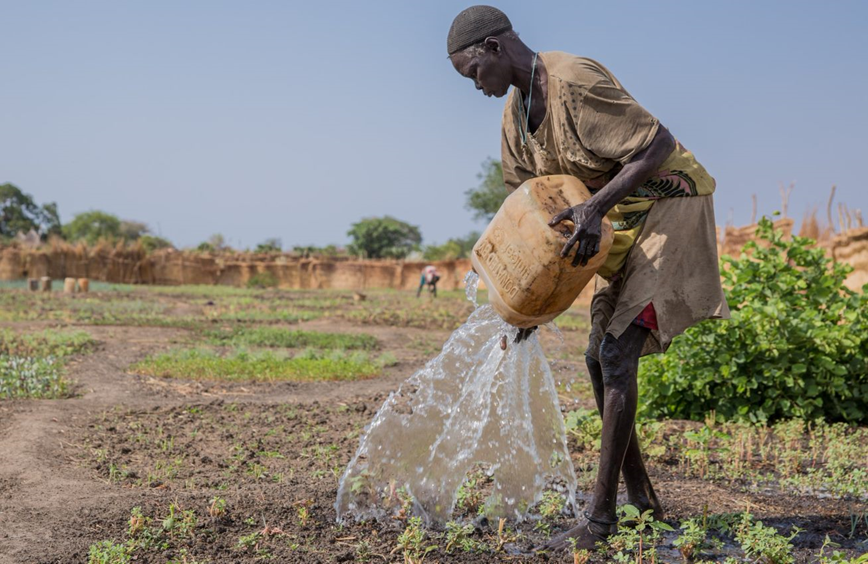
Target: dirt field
x=229, y=470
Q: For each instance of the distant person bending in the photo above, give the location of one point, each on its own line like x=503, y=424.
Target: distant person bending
x=430, y=276
x=569, y=115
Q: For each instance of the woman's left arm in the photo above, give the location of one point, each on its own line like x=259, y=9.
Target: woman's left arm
x=588, y=216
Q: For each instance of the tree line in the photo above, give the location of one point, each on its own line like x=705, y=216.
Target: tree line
x=372, y=237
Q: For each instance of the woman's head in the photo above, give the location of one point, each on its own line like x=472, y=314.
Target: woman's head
x=478, y=46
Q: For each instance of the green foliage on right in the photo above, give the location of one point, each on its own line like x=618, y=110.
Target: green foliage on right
x=485, y=199
x=796, y=347
x=383, y=237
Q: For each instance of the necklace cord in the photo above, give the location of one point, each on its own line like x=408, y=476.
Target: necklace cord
x=526, y=131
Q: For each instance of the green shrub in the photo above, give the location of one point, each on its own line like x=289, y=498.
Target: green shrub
x=796, y=346
x=262, y=280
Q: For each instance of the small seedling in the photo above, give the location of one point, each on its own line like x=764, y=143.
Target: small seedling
x=107, y=552
x=580, y=555
x=458, y=535
x=412, y=543
x=217, y=507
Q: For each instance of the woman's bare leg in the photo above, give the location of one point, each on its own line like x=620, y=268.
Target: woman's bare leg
x=640, y=492
x=619, y=360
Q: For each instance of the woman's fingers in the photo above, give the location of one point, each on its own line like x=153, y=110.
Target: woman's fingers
x=557, y=218
x=522, y=335
x=572, y=241
x=580, y=253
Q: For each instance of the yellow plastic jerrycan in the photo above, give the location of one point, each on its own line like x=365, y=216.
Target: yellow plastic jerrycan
x=518, y=255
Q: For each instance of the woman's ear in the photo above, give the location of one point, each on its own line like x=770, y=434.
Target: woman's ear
x=492, y=44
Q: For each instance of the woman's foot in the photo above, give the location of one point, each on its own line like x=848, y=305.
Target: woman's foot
x=643, y=503
x=586, y=534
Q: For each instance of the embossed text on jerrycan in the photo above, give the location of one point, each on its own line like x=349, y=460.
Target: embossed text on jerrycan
x=518, y=255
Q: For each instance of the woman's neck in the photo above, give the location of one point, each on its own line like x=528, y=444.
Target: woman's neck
x=530, y=75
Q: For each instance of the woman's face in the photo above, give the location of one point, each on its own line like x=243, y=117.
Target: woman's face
x=488, y=70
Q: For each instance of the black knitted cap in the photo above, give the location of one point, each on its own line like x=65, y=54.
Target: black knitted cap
x=473, y=25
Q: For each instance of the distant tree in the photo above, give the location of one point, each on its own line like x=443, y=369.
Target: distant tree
x=383, y=237
x=455, y=248
x=132, y=230
x=91, y=226
x=485, y=199
x=153, y=242
x=272, y=245
x=214, y=243
x=19, y=213
x=311, y=250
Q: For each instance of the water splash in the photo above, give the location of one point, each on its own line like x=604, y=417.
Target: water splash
x=474, y=404
x=471, y=285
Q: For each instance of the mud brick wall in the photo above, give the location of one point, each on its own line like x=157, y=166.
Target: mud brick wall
x=170, y=267
x=852, y=248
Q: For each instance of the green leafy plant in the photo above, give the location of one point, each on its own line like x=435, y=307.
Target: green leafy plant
x=838, y=557
x=586, y=426
x=107, y=552
x=217, y=507
x=638, y=536
x=796, y=346
x=762, y=543
x=691, y=539
x=461, y=536
x=412, y=542
x=580, y=555
x=550, y=508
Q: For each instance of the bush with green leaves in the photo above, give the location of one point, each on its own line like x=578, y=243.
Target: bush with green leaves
x=263, y=280
x=796, y=346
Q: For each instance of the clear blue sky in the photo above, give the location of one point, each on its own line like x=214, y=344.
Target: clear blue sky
x=295, y=119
